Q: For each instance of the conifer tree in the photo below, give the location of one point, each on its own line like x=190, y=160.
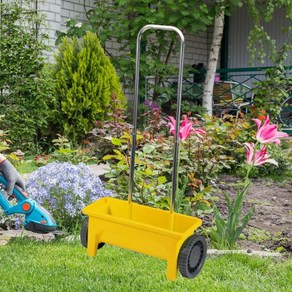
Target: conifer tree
x=86, y=87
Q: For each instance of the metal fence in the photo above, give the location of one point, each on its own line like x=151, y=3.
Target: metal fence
x=246, y=77
x=233, y=89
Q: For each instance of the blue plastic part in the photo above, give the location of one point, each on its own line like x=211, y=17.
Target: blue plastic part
x=37, y=219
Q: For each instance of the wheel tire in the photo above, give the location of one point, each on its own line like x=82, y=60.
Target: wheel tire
x=192, y=256
x=84, y=235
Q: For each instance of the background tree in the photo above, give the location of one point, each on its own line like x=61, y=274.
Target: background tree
x=122, y=21
x=270, y=92
x=213, y=57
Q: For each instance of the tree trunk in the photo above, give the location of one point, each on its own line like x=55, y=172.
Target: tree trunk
x=212, y=62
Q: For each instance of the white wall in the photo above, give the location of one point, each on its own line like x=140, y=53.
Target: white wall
x=57, y=12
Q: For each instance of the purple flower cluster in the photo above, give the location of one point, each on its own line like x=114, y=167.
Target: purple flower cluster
x=151, y=105
x=18, y=223
x=65, y=189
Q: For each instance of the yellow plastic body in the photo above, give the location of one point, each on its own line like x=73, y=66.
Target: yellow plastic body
x=140, y=228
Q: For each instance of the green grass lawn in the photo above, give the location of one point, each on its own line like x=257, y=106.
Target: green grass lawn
x=26, y=167
x=28, y=265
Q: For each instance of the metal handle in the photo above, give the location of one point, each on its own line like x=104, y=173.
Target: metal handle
x=178, y=112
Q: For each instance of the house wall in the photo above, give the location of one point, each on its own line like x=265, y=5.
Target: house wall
x=240, y=24
x=57, y=12
x=239, y=28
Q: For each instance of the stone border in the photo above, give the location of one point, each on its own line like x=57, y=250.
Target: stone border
x=212, y=253
x=6, y=235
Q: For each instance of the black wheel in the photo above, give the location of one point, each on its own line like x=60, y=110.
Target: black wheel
x=192, y=256
x=84, y=235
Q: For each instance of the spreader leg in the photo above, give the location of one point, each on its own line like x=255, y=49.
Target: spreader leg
x=171, y=270
x=92, y=244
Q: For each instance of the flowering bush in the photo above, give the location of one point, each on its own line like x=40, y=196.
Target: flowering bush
x=64, y=190
x=226, y=231
x=203, y=154
x=153, y=168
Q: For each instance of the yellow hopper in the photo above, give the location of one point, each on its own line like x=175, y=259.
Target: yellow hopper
x=160, y=233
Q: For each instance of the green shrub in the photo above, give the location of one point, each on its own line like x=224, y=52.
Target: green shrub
x=226, y=138
x=24, y=86
x=4, y=142
x=86, y=87
x=98, y=139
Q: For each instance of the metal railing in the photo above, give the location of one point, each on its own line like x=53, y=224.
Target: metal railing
x=248, y=77
x=241, y=82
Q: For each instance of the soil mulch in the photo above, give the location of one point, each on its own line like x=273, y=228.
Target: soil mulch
x=270, y=228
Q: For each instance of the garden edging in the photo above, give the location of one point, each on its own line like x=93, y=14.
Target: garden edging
x=215, y=252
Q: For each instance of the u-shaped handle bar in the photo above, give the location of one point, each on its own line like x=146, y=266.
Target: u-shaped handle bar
x=178, y=112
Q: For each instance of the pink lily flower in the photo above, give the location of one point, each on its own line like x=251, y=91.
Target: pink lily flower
x=200, y=131
x=268, y=133
x=257, y=158
x=171, y=125
x=185, y=130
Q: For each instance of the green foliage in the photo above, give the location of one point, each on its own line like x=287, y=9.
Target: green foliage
x=5, y=147
x=129, y=17
x=198, y=166
x=4, y=142
x=191, y=108
x=258, y=235
x=27, y=166
x=85, y=88
x=24, y=83
x=201, y=161
x=226, y=232
x=65, y=153
x=226, y=138
x=280, y=172
x=98, y=140
x=271, y=92
x=192, y=198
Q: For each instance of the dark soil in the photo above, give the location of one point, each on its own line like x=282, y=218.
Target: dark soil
x=270, y=228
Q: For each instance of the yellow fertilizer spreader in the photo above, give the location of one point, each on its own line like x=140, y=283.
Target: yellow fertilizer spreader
x=163, y=234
